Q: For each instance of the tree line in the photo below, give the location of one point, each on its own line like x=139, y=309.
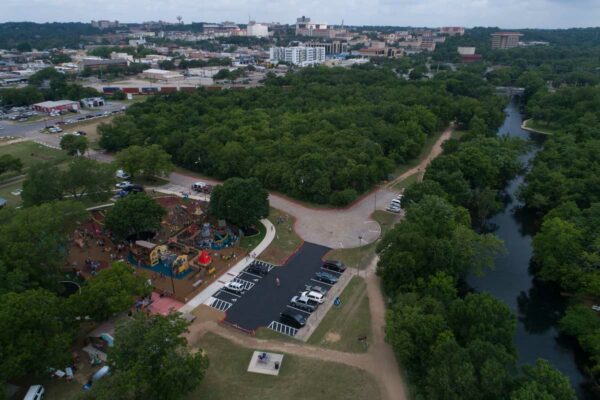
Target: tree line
x=321, y=135
x=563, y=188
x=457, y=345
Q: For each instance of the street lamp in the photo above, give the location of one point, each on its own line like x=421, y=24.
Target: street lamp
x=359, y=253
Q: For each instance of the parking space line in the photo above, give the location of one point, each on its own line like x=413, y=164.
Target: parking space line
x=247, y=285
x=248, y=273
x=225, y=292
x=299, y=309
x=329, y=271
x=324, y=283
x=283, y=328
x=220, y=305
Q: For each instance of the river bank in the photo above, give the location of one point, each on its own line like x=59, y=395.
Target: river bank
x=538, y=306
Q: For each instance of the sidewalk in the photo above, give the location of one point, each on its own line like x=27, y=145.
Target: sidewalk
x=211, y=289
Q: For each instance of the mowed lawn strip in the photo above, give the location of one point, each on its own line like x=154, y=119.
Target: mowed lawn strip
x=300, y=378
x=30, y=153
x=286, y=239
x=361, y=256
x=343, y=325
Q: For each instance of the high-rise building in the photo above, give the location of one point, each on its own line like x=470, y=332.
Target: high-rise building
x=297, y=55
x=257, y=30
x=505, y=40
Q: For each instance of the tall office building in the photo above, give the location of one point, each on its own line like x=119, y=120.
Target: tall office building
x=298, y=55
x=505, y=40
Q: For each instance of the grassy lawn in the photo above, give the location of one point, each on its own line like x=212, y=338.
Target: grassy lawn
x=11, y=199
x=30, y=153
x=286, y=240
x=90, y=127
x=250, y=242
x=541, y=127
x=403, y=184
x=300, y=378
x=361, y=256
x=270, y=334
x=342, y=326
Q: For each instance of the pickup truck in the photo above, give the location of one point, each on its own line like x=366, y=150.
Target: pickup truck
x=303, y=303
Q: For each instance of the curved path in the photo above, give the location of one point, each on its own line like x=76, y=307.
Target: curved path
x=337, y=227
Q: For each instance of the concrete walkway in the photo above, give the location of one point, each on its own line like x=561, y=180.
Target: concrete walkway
x=211, y=289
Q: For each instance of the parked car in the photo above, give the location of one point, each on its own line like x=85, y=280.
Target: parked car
x=123, y=185
x=122, y=174
x=35, y=392
x=394, y=209
x=101, y=373
x=234, y=287
x=315, y=288
x=326, y=277
x=82, y=133
x=133, y=188
x=292, y=319
x=259, y=269
x=314, y=296
x=334, y=265
x=303, y=303
x=201, y=187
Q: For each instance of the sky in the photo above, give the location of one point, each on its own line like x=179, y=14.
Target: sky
x=432, y=13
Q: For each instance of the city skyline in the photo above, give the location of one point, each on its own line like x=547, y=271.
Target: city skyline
x=468, y=13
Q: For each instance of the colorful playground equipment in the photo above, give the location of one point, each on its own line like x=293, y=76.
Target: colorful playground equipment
x=215, y=239
x=204, y=259
x=159, y=258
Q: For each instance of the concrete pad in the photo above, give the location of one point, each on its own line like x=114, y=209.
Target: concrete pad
x=267, y=367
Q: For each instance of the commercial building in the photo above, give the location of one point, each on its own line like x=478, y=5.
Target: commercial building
x=297, y=55
x=161, y=75
x=257, y=30
x=505, y=40
x=91, y=102
x=100, y=63
x=452, y=30
x=56, y=106
x=304, y=26
x=334, y=47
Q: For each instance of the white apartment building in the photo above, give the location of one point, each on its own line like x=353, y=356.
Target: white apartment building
x=257, y=30
x=298, y=55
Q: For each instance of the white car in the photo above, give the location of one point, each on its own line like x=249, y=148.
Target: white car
x=394, y=209
x=122, y=174
x=123, y=184
x=235, y=287
x=314, y=296
x=17, y=192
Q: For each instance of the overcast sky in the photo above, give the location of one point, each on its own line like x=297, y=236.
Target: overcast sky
x=502, y=13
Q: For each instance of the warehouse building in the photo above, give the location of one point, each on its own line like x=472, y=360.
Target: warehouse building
x=162, y=75
x=56, y=106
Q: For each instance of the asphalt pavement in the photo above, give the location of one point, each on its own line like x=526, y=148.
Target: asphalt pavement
x=264, y=300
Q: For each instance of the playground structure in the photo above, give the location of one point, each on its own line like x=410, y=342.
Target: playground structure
x=189, y=251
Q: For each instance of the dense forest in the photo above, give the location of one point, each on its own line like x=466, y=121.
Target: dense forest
x=321, y=135
x=563, y=186
x=457, y=346
x=29, y=35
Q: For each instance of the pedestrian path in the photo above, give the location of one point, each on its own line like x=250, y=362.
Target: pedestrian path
x=205, y=296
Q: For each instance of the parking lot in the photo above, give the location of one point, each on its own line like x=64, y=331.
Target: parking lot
x=262, y=300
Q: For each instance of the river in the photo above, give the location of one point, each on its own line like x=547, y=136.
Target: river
x=537, y=306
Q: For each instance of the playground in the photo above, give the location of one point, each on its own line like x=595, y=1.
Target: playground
x=190, y=250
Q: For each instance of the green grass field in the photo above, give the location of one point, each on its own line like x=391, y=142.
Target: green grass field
x=342, y=326
x=286, y=240
x=250, y=242
x=31, y=153
x=403, y=184
x=361, y=256
x=300, y=378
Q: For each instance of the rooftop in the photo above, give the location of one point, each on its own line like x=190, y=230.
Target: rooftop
x=57, y=103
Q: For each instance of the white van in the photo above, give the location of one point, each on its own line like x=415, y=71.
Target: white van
x=35, y=392
x=101, y=373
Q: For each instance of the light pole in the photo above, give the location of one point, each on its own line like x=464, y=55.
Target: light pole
x=359, y=253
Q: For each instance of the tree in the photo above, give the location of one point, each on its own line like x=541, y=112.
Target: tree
x=88, y=179
x=33, y=244
x=133, y=215
x=151, y=360
x=542, y=381
x=10, y=163
x=149, y=161
x=74, y=145
x=111, y=291
x=42, y=185
x=240, y=201
x=34, y=334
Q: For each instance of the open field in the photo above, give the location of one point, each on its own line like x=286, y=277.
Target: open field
x=90, y=128
x=300, y=378
x=31, y=153
x=286, y=240
x=361, y=256
x=342, y=326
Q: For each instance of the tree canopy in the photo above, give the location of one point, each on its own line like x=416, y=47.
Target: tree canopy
x=133, y=215
x=149, y=161
x=243, y=202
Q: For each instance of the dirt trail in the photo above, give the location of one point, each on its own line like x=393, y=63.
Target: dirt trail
x=436, y=150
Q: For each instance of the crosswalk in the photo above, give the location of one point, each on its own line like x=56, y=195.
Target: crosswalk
x=283, y=328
